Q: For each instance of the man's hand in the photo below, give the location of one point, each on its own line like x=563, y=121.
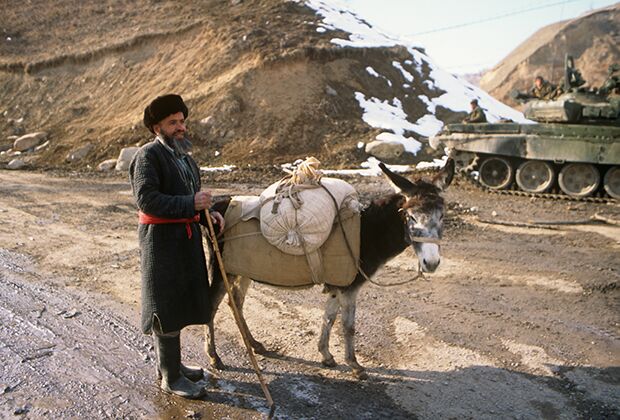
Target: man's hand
x=218, y=219
x=202, y=200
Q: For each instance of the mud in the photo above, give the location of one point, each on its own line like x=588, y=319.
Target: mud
x=516, y=322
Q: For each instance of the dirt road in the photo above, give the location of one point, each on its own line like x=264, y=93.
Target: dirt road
x=516, y=323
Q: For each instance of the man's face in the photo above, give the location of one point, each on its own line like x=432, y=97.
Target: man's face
x=172, y=127
x=473, y=106
x=538, y=83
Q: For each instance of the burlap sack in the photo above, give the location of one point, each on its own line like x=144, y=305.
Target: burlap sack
x=300, y=230
x=247, y=253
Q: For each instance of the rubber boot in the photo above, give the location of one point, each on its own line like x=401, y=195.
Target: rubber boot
x=169, y=361
x=194, y=374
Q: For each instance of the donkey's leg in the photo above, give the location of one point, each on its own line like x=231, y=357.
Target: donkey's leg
x=239, y=293
x=347, y=299
x=217, y=292
x=329, y=316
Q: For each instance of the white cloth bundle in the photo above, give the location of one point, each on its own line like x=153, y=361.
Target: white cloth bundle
x=297, y=219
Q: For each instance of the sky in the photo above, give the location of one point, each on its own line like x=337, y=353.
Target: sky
x=491, y=28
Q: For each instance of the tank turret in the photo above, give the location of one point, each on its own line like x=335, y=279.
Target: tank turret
x=575, y=104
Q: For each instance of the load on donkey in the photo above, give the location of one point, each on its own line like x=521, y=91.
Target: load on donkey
x=335, y=243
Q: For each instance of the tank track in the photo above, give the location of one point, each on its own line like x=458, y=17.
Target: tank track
x=468, y=178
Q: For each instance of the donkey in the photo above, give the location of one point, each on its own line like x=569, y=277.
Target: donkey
x=413, y=216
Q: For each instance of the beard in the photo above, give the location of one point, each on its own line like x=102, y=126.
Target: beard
x=180, y=145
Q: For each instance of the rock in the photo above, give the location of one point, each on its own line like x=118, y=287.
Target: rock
x=16, y=164
x=235, y=2
x=5, y=147
x=29, y=141
x=208, y=121
x=42, y=146
x=330, y=90
x=230, y=105
x=124, y=158
x=80, y=153
x=107, y=165
x=385, y=149
x=12, y=138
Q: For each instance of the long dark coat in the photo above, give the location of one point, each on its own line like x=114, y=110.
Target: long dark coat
x=175, y=285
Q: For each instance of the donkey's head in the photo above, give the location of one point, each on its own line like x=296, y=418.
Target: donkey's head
x=422, y=212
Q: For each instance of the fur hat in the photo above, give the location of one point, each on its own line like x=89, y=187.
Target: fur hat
x=161, y=107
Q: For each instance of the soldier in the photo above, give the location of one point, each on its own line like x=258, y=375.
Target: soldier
x=175, y=289
x=543, y=89
x=612, y=84
x=476, y=115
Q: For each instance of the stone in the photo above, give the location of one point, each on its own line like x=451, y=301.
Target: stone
x=28, y=141
x=80, y=153
x=42, y=146
x=16, y=164
x=5, y=147
x=124, y=158
x=330, y=90
x=385, y=149
x=208, y=121
x=107, y=165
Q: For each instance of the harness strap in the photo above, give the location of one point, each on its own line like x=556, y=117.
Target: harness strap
x=425, y=240
x=149, y=219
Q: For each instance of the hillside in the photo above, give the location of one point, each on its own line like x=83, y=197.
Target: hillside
x=592, y=39
x=266, y=81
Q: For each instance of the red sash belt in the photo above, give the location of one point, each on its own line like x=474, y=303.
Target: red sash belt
x=147, y=219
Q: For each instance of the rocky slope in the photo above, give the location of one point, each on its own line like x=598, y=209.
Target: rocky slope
x=266, y=81
x=592, y=39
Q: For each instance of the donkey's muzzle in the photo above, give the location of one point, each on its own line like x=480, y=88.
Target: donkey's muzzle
x=429, y=266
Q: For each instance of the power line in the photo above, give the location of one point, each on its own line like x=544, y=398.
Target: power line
x=489, y=19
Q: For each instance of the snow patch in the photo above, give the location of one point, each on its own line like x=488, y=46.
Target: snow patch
x=408, y=76
x=225, y=168
x=372, y=72
x=391, y=116
x=336, y=15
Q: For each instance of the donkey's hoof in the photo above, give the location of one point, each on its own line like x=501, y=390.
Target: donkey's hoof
x=360, y=374
x=329, y=362
x=216, y=363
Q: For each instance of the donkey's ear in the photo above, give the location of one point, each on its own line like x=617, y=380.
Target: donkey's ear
x=444, y=178
x=400, y=183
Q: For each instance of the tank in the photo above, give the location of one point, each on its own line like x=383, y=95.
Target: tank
x=572, y=145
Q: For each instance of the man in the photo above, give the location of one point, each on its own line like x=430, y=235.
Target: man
x=611, y=86
x=175, y=290
x=476, y=115
x=543, y=89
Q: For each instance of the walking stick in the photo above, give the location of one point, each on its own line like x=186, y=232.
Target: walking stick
x=237, y=316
